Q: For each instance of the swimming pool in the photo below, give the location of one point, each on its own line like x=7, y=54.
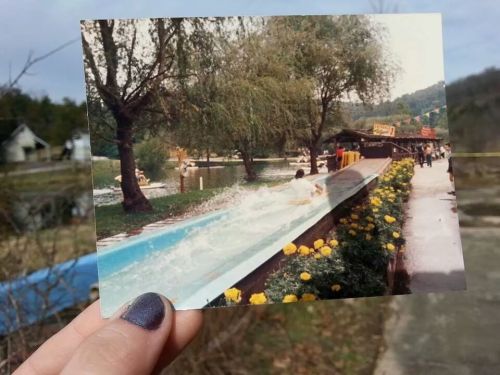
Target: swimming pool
x=194, y=261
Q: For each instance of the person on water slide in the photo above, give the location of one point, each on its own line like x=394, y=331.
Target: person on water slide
x=304, y=189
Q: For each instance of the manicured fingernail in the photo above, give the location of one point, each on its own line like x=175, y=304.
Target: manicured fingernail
x=147, y=311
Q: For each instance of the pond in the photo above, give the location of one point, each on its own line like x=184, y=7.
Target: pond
x=218, y=176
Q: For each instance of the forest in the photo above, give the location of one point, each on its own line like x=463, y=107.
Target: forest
x=53, y=122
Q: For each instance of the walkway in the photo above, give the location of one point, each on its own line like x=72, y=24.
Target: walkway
x=433, y=252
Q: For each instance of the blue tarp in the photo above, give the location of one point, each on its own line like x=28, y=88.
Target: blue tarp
x=29, y=299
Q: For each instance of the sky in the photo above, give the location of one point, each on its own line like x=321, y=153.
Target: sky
x=470, y=29
x=414, y=42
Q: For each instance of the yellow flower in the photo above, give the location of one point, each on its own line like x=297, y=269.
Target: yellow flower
x=369, y=219
x=354, y=226
x=317, y=256
x=290, y=298
x=308, y=297
x=375, y=209
x=305, y=276
x=336, y=287
x=369, y=237
x=304, y=250
x=289, y=249
x=325, y=251
x=343, y=221
x=233, y=295
x=390, y=247
x=389, y=219
x=376, y=202
x=395, y=234
x=387, y=179
x=258, y=299
x=334, y=243
x=318, y=244
x=352, y=232
x=354, y=217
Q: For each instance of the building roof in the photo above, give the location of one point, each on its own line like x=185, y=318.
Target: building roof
x=10, y=128
x=351, y=135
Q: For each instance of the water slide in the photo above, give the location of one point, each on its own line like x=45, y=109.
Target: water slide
x=194, y=261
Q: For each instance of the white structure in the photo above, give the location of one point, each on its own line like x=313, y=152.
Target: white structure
x=22, y=145
x=81, y=146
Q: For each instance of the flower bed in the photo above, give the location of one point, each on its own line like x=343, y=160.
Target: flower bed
x=352, y=261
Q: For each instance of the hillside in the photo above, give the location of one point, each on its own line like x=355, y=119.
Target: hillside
x=474, y=112
x=415, y=104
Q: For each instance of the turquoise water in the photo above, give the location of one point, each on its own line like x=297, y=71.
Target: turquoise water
x=195, y=261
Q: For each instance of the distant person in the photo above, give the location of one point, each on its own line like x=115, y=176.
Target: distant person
x=442, y=151
x=304, y=189
x=428, y=154
x=339, y=155
x=421, y=155
x=67, y=150
x=450, y=166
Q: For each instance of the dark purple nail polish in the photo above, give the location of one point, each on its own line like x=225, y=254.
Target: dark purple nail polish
x=147, y=311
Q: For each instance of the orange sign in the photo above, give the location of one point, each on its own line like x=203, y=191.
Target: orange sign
x=428, y=132
x=384, y=129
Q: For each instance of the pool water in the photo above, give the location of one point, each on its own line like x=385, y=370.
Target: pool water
x=193, y=262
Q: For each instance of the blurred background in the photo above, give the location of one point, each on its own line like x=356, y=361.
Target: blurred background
x=46, y=214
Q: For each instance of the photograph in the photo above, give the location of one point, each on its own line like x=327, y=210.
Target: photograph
x=270, y=159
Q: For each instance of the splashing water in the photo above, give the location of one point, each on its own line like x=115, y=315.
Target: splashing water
x=255, y=221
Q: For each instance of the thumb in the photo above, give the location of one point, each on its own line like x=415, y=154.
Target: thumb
x=129, y=344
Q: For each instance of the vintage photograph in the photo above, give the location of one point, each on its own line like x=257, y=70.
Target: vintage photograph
x=256, y=160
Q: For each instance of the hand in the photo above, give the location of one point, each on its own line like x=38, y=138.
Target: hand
x=139, y=339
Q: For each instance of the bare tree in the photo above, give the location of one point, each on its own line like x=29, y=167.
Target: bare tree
x=127, y=64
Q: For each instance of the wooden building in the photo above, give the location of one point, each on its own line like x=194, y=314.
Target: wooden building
x=380, y=146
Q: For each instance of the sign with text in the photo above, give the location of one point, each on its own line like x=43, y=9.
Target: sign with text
x=384, y=129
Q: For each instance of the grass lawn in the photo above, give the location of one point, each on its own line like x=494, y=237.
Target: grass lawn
x=44, y=248
x=50, y=181
x=324, y=337
x=111, y=220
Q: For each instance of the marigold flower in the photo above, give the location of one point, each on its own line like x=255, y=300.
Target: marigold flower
x=233, y=295
x=390, y=247
x=389, y=219
x=375, y=209
x=354, y=217
x=343, y=221
x=334, y=243
x=336, y=287
x=352, y=232
x=369, y=219
x=318, y=244
x=354, y=226
x=290, y=249
x=317, y=256
x=258, y=299
x=308, y=297
x=325, y=251
x=368, y=237
x=395, y=234
x=304, y=250
x=305, y=276
x=290, y=298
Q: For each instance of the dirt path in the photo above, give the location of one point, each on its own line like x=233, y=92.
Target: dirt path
x=433, y=256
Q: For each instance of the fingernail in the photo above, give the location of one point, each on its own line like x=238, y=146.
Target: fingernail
x=147, y=311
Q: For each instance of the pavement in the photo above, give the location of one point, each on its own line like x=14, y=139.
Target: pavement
x=453, y=333
x=433, y=255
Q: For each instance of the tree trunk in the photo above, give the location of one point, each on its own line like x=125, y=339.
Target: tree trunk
x=249, y=169
x=133, y=198
x=313, y=153
x=208, y=158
